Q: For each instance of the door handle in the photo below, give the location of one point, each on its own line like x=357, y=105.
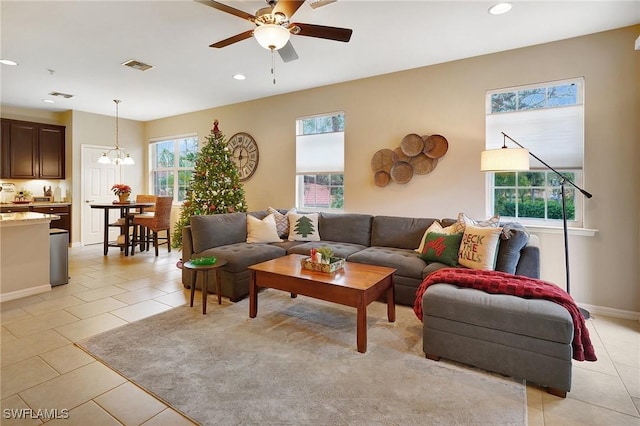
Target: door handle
x=88, y=201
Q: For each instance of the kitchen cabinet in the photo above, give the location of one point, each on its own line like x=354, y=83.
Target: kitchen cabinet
x=62, y=210
x=32, y=150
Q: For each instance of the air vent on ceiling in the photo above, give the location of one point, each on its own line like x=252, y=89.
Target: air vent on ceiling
x=137, y=65
x=319, y=3
x=61, y=95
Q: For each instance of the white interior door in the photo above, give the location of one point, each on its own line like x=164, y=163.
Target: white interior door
x=97, y=180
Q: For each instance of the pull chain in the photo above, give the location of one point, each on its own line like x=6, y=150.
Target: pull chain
x=273, y=65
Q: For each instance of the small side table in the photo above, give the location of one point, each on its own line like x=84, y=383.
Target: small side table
x=205, y=268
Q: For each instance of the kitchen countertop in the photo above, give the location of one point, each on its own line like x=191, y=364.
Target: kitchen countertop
x=37, y=203
x=25, y=218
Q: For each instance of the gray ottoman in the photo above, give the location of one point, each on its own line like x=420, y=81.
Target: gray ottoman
x=523, y=338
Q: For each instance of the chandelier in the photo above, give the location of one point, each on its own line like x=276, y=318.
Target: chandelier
x=117, y=155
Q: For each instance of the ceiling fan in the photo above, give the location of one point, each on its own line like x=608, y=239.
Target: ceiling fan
x=273, y=26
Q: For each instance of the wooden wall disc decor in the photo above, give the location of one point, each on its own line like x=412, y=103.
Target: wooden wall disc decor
x=382, y=161
x=440, y=146
x=412, y=144
x=428, y=143
x=401, y=172
x=398, y=155
x=422, y=164
x=381, y=178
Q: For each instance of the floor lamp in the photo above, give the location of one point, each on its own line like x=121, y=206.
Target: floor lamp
x=517, y=159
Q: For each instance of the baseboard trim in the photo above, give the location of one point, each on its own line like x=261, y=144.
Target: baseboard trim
x=4, y=297
x=611, y=312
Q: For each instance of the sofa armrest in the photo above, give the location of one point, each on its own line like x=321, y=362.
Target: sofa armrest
x=187, y=243
x=529, y=263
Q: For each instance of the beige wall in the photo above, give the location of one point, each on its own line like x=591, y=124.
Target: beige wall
x=448, y=99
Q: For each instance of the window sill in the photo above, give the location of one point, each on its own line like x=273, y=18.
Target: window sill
x=540, y=229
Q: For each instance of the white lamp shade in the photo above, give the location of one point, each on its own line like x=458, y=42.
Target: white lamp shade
x=504, y=160
x=128, y=161
x=104, y=159
x=271, y=36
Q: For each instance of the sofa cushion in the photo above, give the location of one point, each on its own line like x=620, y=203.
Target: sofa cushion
x=303, y=227
x=479, y=247
x=262, y=231
x=406, y=261
x=525, y=317
x=441, y=248
x=512, y=240
x=347, y=228
x=340, y=249
x=218, y=230
x=400, y=232
x=240, y=256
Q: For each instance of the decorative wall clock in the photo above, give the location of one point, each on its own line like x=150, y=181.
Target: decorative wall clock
x=244, y=152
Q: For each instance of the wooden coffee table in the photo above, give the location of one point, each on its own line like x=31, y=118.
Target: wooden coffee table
x=355, y=285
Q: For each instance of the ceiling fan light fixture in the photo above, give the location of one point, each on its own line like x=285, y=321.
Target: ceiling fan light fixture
x=271, y=36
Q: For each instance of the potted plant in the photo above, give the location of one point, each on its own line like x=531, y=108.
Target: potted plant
x=123, y=191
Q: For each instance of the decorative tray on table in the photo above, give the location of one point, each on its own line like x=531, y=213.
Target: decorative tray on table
x=335, y=264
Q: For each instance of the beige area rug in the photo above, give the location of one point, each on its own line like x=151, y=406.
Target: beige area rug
x=296, y=363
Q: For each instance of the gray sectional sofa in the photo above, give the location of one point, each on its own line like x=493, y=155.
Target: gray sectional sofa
x=379, y=240
x=527, y=339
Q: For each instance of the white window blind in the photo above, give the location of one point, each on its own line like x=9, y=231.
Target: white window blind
x=320, y=153
x=555, y=135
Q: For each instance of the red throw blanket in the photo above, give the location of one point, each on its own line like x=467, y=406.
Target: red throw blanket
x=515, y=285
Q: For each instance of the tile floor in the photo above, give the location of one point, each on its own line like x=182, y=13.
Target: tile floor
x=41, y=368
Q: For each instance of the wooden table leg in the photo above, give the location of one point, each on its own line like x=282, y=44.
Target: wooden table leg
x=253, y=295
x=194, y=274
x=391, y=302
x=219, y=285
x=205, y=289
x=361, y=326
x=106, y=231
x=126, y=232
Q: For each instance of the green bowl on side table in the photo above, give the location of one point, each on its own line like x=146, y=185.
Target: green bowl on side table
x=200, y=261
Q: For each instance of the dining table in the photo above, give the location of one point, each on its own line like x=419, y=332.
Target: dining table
x=125, y=213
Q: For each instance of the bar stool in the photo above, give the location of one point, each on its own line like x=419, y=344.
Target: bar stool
x=205, y=268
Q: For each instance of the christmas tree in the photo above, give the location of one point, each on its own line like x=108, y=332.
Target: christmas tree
x=215, y=185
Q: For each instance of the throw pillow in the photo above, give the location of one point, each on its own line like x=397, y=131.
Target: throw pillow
x=513, y=239
x=479, y=247
x=282, y=221
x=262, y=231
x=442, y=248
x=491, y=222
x=303, y=227
x=437, y=227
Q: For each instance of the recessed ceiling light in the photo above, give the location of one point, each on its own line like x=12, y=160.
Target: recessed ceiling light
x=8, y=62
x=500, y=8
x=49, y=101
x=240, y=77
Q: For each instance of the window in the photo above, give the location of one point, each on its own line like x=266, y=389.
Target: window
x=547, y=119
x=172, y=164
x=320, y=162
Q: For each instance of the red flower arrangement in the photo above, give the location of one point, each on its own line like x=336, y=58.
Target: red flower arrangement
x=121, y=189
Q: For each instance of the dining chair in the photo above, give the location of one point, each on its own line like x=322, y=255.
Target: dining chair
x=146, y=212
x=160, y=221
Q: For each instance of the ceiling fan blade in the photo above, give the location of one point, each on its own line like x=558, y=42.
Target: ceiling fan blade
x=287, y=7
x=320, y=31
x=228, y=9
x=288, y=53
x=315, y=4
x=236, y=38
